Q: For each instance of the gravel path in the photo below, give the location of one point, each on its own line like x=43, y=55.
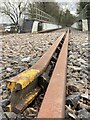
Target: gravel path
x=77, y=91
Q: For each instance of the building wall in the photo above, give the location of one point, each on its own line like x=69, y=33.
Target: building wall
x=35, y=26
x=26, y=25
x=84, y=25
x=48, y=26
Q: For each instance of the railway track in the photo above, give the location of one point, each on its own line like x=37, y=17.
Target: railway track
x=46, y=76
x=56, y=86
x=44, y=87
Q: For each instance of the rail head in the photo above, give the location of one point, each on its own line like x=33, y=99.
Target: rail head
x=23, y=79
x=54, y=100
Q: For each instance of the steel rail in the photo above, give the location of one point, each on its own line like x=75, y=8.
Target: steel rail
x=24, y=87
x=54, y=100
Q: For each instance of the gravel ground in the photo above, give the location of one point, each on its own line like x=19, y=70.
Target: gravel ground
x=20, y=51
x=77, y=91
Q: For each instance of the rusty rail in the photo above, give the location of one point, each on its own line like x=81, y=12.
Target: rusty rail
x=27, y=85
x=54, y=100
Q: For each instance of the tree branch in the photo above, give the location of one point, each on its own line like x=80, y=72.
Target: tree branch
x=14, y=11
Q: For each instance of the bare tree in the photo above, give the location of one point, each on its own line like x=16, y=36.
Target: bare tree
x=14, y=10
